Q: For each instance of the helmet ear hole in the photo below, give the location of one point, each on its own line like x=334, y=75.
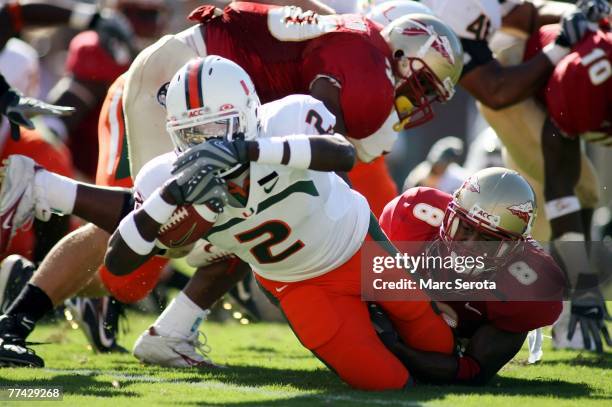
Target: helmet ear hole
x=398, y=54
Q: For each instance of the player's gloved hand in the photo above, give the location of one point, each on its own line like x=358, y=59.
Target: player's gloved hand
x=221, y=153
x=198, y=185
x=574, y=26
x=588, y=308
x=19, y=109
x=594, y=10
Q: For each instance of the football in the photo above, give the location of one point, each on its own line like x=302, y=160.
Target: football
x=186, y=225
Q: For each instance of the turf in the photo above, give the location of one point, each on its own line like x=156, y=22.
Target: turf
x=267, y=366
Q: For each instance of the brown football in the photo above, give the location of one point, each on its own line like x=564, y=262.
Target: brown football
x=185, y=226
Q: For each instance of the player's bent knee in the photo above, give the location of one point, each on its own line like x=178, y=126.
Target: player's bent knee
x=366, y=366
x=136, y=285
x=311, y=332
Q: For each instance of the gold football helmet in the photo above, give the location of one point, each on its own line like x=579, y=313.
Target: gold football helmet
x=428, y=59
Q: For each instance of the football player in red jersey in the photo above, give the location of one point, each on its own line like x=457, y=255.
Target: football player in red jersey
x=578, y=100
x=495, y=330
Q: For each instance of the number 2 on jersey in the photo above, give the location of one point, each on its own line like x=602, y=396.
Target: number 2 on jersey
x=277, y=231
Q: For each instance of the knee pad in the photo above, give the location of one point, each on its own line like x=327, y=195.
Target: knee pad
x=136, y=285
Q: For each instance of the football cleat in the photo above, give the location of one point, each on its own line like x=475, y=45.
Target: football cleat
x=15, y=272
x=153, y=348
x=98, y=318
x=13, y=349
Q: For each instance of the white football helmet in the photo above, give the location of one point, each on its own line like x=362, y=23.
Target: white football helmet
x=211, y=97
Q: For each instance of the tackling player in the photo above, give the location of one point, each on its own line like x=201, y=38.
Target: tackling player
x=298, y=225
x=495, y=330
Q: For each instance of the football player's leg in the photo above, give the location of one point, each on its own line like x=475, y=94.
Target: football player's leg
x=36, y=242
x=144, y=98
x=173, y=339
x=419, y=326
x=373, y=181
x=337, y=329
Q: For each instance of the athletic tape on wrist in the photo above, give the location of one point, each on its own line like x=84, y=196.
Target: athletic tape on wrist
x=270, y=150
x=561, y=207
x=157, y=208
x=132, y=237
x=300, y=153
x=555, y=52
x=81, y=16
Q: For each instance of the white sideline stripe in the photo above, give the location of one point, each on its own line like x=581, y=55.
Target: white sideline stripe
x=215, y=385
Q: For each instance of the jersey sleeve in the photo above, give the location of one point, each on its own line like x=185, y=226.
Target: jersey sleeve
x=578, y=93
x=152, y=176
x=366, y=94
x=88, y=61
x=532, y=285
x=416, y=215
x=296, y=114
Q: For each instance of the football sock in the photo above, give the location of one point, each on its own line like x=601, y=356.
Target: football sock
x=30, y=306
x=61, y=191
x=181, y=318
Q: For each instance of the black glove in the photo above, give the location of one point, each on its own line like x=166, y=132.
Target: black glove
x=198, y=185
x=574, y=26
x=19, y=109
x=594, y=10
x=589, y=308
x=221, y=153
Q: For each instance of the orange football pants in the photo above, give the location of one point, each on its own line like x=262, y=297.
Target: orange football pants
x=329, y=318
x=113, y=170
x=373, y=181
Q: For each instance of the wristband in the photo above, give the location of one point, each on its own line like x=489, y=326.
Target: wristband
x=132, y=237
x=82, y=16
x=562, y=206
x=300, y=153
x=271, y=150
x=157, y=208
x=555, y=52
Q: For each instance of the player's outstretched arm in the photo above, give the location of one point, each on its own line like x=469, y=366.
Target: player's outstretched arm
x=498, y=86
x=133, y=243
x=488, y=351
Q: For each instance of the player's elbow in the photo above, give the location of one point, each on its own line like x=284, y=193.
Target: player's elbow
x=347, y=156
x=496, y=99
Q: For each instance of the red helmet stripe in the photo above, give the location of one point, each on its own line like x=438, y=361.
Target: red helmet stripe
x=193, y=85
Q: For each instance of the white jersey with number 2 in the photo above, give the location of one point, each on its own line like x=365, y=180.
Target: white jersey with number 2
x=297, y=224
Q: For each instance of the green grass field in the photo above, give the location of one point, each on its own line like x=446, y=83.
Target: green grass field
x=267, y=366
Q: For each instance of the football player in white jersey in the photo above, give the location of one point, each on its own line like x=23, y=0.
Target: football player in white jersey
x=300, y=226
